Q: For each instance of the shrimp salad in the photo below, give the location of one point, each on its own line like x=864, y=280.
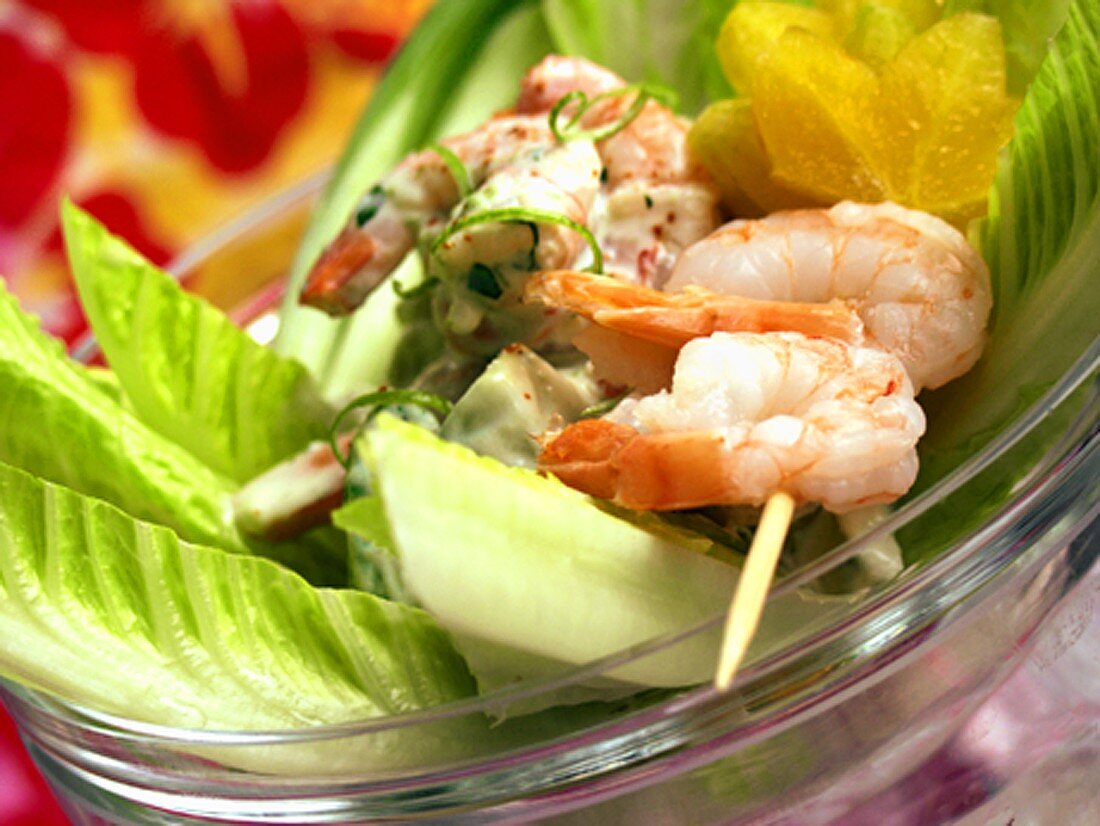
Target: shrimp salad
x=611, y=330
x=611, y=363
x=607, y=327
x=746, y=358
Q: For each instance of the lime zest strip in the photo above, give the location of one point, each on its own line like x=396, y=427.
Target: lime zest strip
x=377, y=398
x=524, y=215
x=570, y=131
x=457, y=168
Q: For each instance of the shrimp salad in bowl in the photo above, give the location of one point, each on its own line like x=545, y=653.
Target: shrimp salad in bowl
x=535, y=382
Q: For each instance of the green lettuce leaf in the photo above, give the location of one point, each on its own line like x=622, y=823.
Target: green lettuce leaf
x=62, y=424
x=67, y=423
x=1042, y=242
x=189, y=373
x=496, y=554
x=122, y=616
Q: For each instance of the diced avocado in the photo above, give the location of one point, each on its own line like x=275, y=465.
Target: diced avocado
x=518, y=397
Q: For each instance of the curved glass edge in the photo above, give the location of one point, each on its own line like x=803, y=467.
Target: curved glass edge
x=96, y=721
x=676, y=739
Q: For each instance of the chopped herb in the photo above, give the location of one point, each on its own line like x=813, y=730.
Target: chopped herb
x=423, y=288
x=603, y=175
x=369, y=206
x=604, y=407
x=532, y=262
x=648, y=202
x=482, y=281
x=378, y=399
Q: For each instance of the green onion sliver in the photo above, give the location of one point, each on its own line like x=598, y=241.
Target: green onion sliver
x=568, y=132
x=419, y=398
x=457, y=168
x=583, y=104
x=370, y=204
x=524, y=215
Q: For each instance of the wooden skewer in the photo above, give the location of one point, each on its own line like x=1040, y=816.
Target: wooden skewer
x=752, y=586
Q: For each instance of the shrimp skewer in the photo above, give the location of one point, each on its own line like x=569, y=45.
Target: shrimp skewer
x=751, y=418
x=750, y=414
x=921, y=290
x=752, y=586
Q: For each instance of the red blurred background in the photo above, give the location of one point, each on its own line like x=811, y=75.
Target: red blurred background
x=163, y=118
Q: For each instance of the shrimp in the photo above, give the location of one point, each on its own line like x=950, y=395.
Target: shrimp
x=652, y=147
x=657, y=198
x=652, y=198
x=482, y=268
x=643, y=227
x=921, y=290
x=416, y=195
x=637, y=331
x=749, y=414
x=673, y=319
x=555, y=76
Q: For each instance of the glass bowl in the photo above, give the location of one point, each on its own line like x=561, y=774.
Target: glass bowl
x=966, y=689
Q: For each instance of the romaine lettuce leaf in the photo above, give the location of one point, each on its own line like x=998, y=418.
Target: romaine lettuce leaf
x=122, y=616
x=1042, y=242
x=63, y=425
x=190, y=374
x=66, y=423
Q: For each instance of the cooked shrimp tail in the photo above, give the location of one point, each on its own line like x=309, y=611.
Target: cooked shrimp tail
x=349, y=269
x=750, y=414
x=673, y=319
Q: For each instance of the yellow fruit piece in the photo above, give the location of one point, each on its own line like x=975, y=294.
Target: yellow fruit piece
x=813, y=105
x=941, y=115
x=822, y=125
x=752, y=29
x=727, y=142
x=920, y=14
x=878, y=34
